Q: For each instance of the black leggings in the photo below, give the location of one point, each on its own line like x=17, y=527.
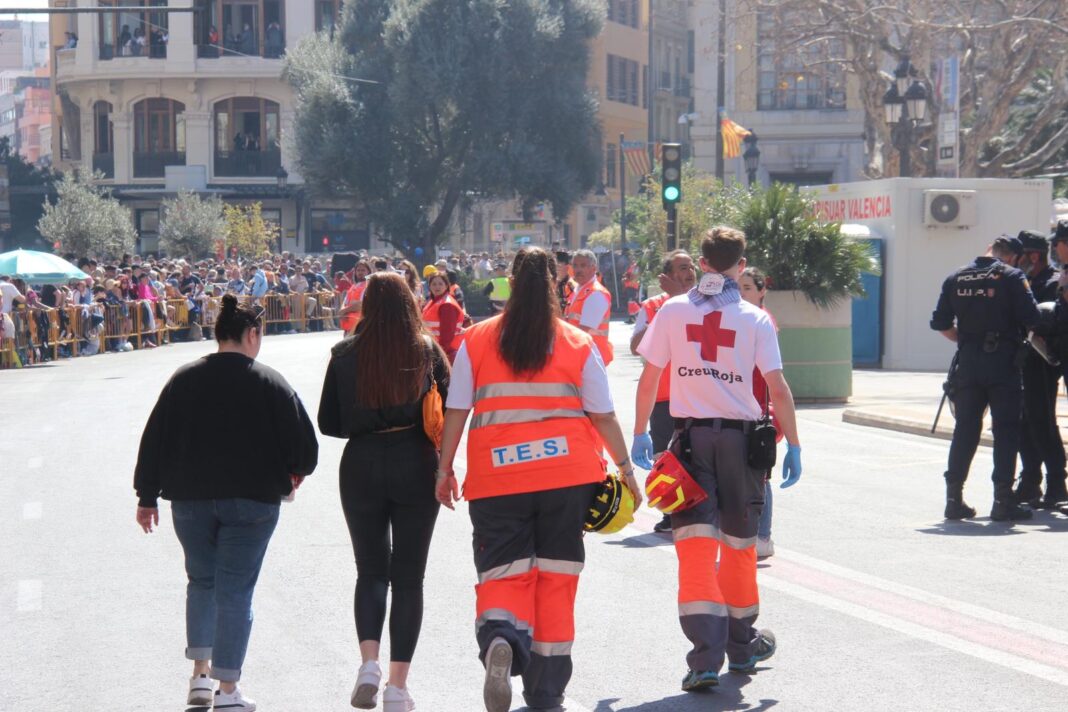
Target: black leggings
x=387, y=484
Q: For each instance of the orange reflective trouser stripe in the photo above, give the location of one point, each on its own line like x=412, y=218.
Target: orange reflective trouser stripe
x=717, y=609
x=529, y=554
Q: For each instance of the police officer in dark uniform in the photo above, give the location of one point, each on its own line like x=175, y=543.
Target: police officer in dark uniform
x=986, y=307
x=1040, y=439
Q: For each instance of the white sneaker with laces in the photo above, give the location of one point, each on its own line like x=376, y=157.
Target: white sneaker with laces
x=497, y=688
x=233, y=702
x=765, y=547
x=365, y=692
x=397, y=699
x=201, y=691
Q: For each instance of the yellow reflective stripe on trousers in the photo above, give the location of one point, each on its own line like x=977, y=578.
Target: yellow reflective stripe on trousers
x=511, y=416
x=598, y=332
x=514, y=568
x=702, y=608
x=559, y=566
x=548, y=649
x=546, y=390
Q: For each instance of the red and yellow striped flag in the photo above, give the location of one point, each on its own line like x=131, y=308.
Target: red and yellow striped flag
x=732, y=138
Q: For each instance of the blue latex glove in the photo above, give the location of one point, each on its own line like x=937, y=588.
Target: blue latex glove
x=641, y=452
x=791, y=466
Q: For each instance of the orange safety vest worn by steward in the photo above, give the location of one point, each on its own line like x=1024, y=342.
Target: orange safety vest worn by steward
x=600, y=334
x=651, y=307
x=355, y=294
x=433, y=321
x=529, y=433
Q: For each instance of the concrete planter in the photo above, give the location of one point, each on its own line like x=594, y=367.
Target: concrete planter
x=816, y=344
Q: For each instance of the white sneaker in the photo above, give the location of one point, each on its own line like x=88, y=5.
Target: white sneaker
x=233, y=702
x=765, y=547
x=365, y=692
x=201, y=691
x=397, y=699
x=497, y=689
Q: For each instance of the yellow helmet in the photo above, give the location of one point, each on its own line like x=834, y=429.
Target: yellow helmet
x=429, y=271
x=612, y=507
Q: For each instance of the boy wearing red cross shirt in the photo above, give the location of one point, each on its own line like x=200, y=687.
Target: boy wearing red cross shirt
x=713, y=339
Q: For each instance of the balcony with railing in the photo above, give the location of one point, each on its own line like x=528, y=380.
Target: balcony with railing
x=153, y=165
x=247, y=164
x=104, y=163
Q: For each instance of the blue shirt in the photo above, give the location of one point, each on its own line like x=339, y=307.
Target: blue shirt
x=259, y=284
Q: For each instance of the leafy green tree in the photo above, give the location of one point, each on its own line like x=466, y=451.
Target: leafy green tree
x=86, y=220
x=191, y=226
x=415, y=105
x=247, y=232
x=30, y=186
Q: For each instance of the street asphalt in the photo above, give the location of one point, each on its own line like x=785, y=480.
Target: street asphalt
x=877, y=603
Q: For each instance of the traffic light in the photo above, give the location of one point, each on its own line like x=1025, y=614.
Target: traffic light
x=671, y=174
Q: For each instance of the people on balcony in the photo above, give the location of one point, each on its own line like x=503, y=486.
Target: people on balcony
x=275, y=43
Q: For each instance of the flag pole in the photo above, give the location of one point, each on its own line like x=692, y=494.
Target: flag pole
x=622, y=210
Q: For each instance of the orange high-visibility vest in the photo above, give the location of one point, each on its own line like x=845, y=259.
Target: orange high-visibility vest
x=651, y=307
x=529, y=433
x=355, y=294
x=433, y=321
x=600, y=334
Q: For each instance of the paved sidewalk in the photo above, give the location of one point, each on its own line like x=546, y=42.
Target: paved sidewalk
x=906, y=401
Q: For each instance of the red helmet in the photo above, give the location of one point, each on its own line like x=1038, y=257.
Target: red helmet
x=670, y=488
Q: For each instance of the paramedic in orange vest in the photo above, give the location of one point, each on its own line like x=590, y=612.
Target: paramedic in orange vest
x=541, y=404
x=677, y=276
x=442, y=315
x=712, y=340
x=350, y=310
x=591, y=306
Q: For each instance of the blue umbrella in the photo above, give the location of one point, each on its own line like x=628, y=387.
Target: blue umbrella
x=38, y=267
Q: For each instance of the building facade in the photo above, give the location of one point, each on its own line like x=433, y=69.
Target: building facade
x=157, y=102
x=23, y=45
x=671, y=66
x=805, y=112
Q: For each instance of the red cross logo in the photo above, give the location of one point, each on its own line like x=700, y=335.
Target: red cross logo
x=710, y=336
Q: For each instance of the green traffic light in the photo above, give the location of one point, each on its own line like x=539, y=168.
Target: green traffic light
x=671, y=193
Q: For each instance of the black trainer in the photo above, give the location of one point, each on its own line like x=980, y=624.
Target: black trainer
x=664, y=525
x=958, y=509
x=1005, y=510
x=1028, y=494
x=1053, y=499
x=763, y=648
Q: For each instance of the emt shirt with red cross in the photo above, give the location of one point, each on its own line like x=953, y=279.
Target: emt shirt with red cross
x=711, y=354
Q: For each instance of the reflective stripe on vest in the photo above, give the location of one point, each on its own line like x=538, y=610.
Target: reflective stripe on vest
x=600, y=334
x=529, y=433
x=432, y=321
x=652, y=308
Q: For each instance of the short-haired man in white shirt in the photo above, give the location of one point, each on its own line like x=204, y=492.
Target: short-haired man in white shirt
x=712, y=340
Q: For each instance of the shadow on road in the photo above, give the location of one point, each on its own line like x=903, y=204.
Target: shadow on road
x=980, y=526
x=727, y=697
x=642, y=541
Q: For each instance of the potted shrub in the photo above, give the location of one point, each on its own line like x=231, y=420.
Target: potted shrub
x=813, y=272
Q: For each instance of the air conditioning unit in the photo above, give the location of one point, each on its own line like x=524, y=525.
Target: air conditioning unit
x=949, y=208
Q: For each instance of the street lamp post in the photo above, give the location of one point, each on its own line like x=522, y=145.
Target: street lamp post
x=905, y=103
x=751, y=156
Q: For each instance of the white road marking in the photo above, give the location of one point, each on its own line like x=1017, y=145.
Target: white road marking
x=31, y=510
x=901, y=625
x=29, y=598
x=35, y=463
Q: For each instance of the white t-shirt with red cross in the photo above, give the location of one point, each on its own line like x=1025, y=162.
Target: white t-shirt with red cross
x=711, y=355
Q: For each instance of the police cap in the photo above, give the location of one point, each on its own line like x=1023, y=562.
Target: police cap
x=1032, y=240
x=1009, y=243
x=1060, y=233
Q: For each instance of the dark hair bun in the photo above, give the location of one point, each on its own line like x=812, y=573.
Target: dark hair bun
x=229, y=303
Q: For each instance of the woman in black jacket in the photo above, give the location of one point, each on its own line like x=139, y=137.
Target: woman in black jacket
x=372, y=395
x=225, y=483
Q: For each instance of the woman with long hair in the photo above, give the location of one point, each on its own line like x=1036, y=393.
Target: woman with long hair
x=411, y=278
x=225, y=484
x=542, y=407
x=373, y=396
x=754, y=287
x=443, y=315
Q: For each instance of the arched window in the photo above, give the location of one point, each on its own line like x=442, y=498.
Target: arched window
x=159, y=136
x=247, y=137
x=103, y=140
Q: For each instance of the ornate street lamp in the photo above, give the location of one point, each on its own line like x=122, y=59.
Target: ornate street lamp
x=751, y=156
x=905, y=104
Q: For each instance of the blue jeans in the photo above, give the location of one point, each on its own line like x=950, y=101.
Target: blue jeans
x=224, y=542
x=764, y=526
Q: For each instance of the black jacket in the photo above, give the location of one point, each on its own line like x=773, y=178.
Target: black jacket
x=224, y=427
